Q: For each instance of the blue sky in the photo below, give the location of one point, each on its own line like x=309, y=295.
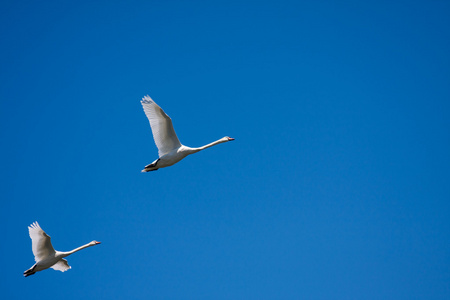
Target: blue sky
x=337, y=186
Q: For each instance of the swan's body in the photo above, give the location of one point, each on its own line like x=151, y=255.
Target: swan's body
x=170, y=149
x=44, y=254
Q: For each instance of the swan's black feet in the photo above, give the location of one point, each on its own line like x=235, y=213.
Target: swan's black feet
x=29, y=272
x=152, y=165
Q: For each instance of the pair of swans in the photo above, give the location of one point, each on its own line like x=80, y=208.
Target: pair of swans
x=170, y=152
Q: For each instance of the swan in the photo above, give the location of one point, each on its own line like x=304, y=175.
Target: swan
x=44, y=254
x=170, y=150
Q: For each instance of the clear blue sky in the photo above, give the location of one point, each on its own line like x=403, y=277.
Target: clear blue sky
x=337, y=186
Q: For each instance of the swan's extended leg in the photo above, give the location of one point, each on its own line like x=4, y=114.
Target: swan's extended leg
x=30, y=271
x=152, y=165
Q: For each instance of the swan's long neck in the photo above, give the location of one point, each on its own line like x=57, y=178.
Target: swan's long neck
x=77, y=249
x=211, y=144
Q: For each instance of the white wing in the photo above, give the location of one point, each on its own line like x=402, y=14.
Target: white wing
x=61, y=265
x=40, y=242
x=163, y=133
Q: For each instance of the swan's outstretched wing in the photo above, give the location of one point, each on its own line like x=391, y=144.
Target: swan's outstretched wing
x=61, y=265
x=163, y=133
x=40, y=242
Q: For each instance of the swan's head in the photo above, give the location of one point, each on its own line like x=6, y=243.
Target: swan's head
x=228, y=138
x=93, y=243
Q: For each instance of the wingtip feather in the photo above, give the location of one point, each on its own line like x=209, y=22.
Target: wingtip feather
x=34, y=225
x=147, y=100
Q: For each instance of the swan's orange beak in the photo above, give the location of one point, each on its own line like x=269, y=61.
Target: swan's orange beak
x=97, y=243
x=230, y=139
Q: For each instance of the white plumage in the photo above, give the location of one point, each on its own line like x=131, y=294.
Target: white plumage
x=40, y=242
x=170, y=150
x=44, y=254
x=162, y=128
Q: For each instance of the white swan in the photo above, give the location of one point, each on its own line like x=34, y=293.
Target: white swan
x=170, y=149
x=44, y=254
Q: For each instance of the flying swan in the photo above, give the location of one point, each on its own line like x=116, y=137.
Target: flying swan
x=44, y=254
x=170, y=150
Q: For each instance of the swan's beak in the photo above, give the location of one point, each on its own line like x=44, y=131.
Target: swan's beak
x=230, y=139
x=97, y=243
